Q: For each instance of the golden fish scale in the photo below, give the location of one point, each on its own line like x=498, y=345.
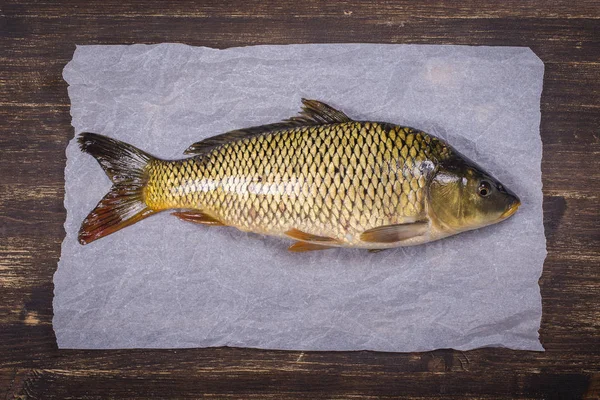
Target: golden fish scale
x=334, y=180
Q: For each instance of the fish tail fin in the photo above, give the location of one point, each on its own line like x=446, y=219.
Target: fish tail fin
x=124, y=204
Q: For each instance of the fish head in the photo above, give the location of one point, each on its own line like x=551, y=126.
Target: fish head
x=462, y=196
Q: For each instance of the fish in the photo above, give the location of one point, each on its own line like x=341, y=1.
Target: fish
x=319, y=178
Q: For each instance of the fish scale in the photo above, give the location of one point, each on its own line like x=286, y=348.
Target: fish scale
x=320, y=178
x=336, y=180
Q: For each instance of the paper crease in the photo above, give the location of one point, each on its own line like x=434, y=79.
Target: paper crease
x=162, y=283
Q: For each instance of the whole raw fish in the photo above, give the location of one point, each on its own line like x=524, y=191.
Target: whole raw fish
x=319, y=178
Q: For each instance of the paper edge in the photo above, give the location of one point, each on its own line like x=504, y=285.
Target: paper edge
x=538, y=60
x=535, y=59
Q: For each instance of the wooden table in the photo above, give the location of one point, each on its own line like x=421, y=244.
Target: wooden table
x=38, y=39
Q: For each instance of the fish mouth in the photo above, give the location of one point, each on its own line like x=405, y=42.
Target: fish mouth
x=512, y=209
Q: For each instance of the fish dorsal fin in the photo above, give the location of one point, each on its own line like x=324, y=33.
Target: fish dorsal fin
x=210, y=143
x=394, y=233
x=313, y=113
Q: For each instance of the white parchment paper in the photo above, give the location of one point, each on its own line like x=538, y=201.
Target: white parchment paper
x=167, y=283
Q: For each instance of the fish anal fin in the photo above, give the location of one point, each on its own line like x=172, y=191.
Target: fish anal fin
x=394, y=233
x=313, y=113
x=300, y=247
x=309, y=237
x=198, y=217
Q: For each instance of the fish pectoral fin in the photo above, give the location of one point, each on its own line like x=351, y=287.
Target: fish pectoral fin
x=309, y=237
x=394, y=233
x=198, y=217
x=300, y=247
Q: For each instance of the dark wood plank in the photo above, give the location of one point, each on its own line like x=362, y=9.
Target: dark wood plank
x=296, y=383
x=38, y=38
x=256, y=9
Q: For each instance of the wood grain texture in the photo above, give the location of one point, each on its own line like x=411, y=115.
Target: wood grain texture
x=38, y=38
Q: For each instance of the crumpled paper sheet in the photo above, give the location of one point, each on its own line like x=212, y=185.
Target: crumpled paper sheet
x=166, y=283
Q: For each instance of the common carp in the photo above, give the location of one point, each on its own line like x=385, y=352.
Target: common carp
x=319, y=178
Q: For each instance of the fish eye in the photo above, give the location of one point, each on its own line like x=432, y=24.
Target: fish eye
x=485, y=189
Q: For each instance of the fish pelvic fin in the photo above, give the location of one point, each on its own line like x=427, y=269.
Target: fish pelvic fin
x=124, y=204
x=310, y=242
x=309, y=237
x=301, y=247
